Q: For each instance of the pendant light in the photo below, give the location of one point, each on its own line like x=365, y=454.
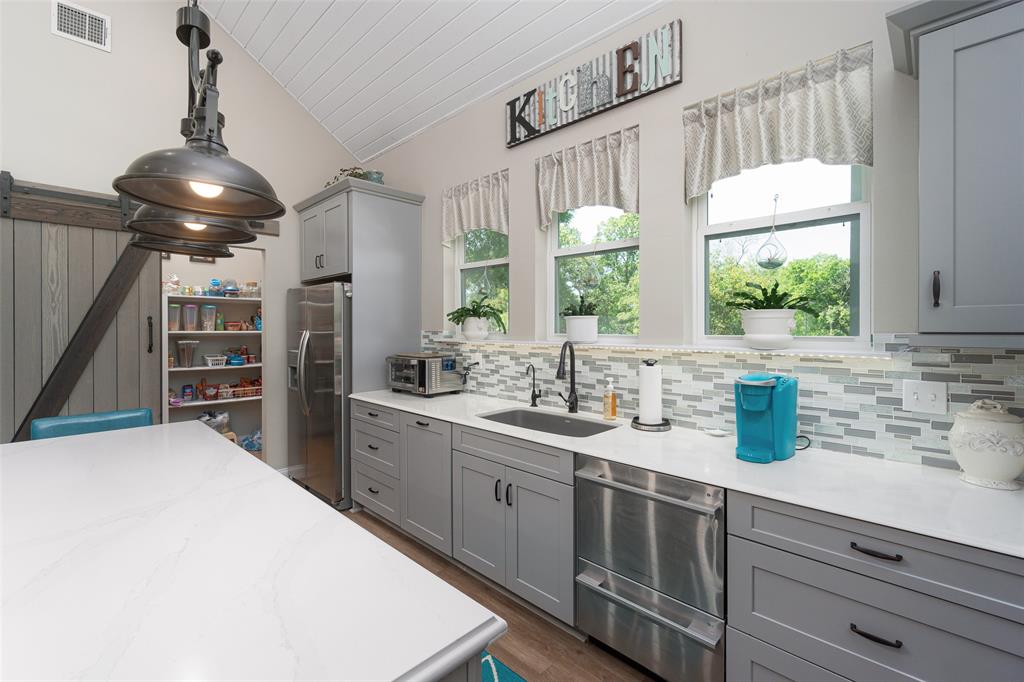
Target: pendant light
x=772, y=254
x=142, y=241
x=200, y=177
x=165, y=223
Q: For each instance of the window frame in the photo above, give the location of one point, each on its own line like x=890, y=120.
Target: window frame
x=459, y=263
x=555, y=252
x=854, y=209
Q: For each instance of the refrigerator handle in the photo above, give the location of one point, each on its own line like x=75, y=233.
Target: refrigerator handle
x=303, y=351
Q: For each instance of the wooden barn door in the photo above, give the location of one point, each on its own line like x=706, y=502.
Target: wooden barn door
x=49, y=275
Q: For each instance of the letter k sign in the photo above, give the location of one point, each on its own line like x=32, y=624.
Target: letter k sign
x=516, y=118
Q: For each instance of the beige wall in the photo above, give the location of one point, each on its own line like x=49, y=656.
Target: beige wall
x=725, y=45
x=76, y=116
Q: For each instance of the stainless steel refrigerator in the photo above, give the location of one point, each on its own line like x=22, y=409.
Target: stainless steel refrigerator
x=319, y=320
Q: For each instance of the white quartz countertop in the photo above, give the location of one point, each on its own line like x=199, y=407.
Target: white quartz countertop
x=920, y=499
x=167, y=553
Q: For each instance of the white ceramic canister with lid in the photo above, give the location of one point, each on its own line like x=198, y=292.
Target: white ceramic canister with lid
x=988, y=443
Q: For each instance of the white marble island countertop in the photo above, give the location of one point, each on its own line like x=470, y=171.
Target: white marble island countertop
x=911, y=497
x=166, y=552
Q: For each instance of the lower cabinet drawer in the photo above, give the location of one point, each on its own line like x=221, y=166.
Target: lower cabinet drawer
x=376, y=491
x=376, y=447
x=862, y=628
x=748, y=659
x=677, y=641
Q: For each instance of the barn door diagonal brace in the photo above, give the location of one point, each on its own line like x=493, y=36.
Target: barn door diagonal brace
x=83, y=344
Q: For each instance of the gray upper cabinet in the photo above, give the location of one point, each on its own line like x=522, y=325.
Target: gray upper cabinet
x=332, y=219
x=539, y=542
x=478, y=514
x=972, y=175
x=426, y=469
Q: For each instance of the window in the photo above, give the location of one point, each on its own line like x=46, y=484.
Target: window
x=596, y=252
x=823, y=226
x=483, y=268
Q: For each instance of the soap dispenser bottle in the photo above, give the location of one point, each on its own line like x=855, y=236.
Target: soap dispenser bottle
x=611, y=402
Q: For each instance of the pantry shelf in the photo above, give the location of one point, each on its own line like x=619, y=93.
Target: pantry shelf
x=224, y=401
x=214, y=299
x=215, y=333
x=204, y=368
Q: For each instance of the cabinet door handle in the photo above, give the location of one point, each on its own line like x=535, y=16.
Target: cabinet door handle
x=322, y=265
x=373, y=491
x=149, y=324
x=875, y=553
x=892, y=643
x=508, y=494
x=497, y=490
x=424, y=424
x=371, y=446
x=936, y=288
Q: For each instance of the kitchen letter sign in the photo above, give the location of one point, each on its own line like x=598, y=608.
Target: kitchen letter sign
x=648, y=64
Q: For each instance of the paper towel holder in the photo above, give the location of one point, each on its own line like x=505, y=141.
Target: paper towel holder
x=665, y=425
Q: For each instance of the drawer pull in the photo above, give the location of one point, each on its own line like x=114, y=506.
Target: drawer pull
x=371, y=446
x=895, y=644
x=372, y=414
x=589, y=582
x=875, y=553
x=497, y=490
x=375, y=492
x=710, y=510
x=419, y=423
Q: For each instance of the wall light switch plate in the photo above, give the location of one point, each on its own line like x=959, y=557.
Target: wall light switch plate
x=925, y=396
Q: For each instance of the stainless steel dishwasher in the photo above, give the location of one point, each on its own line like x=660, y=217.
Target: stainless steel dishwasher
x=650, y=568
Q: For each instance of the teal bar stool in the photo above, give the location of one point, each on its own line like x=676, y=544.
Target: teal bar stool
x=54, y=427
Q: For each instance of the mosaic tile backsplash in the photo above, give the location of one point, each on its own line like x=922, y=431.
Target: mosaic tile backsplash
x=847, y=404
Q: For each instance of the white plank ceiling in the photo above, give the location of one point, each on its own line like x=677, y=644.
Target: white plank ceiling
x=377, y=72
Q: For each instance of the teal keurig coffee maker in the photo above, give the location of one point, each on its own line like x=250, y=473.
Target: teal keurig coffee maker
x=765, y=417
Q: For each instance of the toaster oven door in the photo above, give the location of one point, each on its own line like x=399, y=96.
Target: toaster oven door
x=406, y=375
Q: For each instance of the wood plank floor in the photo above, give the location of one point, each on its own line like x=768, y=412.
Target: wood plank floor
x=533, y=647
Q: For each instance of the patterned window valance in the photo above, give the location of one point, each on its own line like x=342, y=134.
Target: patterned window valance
x=602, y=172
x=476, y=204
x=822, y=111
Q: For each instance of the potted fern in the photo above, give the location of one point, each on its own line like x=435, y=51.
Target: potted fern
x=581, y=320
x=476, y=319
x=768, y=315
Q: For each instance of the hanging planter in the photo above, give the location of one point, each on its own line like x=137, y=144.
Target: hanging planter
x=772, y=254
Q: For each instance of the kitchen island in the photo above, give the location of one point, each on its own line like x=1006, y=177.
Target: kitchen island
x=166, y=552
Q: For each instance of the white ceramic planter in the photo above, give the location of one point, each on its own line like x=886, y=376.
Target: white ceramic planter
x=988, y=443
x=476, y=328
x=768, y=329
x=581, y=328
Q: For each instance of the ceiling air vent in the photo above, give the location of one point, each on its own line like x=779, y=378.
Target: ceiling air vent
x=80, y=24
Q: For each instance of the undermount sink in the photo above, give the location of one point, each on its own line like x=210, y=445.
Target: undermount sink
x=549, y=423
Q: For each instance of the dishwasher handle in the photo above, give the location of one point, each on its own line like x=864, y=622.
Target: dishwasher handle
x=709, y=510
x=597, y=586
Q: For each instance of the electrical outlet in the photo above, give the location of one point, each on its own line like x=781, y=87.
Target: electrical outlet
x=925, y=396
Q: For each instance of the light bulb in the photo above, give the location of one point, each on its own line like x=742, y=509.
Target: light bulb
x=205, y=189
x=195, y=226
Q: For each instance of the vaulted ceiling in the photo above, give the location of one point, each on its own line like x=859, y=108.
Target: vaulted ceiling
x=376, y=72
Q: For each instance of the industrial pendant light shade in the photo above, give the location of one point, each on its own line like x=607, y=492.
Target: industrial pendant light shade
x=201, y=178
x=165, y=223
x=142, y=241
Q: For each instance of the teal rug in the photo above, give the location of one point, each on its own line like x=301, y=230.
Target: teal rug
x=496, y=671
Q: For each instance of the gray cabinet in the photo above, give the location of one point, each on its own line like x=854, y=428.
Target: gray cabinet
x=478, y=514
x=971, y=175
x=426, y=480
x=353, y=220
x=515, y=528
x=539, y=542
x=748, y=659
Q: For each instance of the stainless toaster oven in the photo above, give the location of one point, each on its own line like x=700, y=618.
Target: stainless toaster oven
x=426, y=374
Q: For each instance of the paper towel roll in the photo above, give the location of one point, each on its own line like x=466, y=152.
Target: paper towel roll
x=650, y=393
